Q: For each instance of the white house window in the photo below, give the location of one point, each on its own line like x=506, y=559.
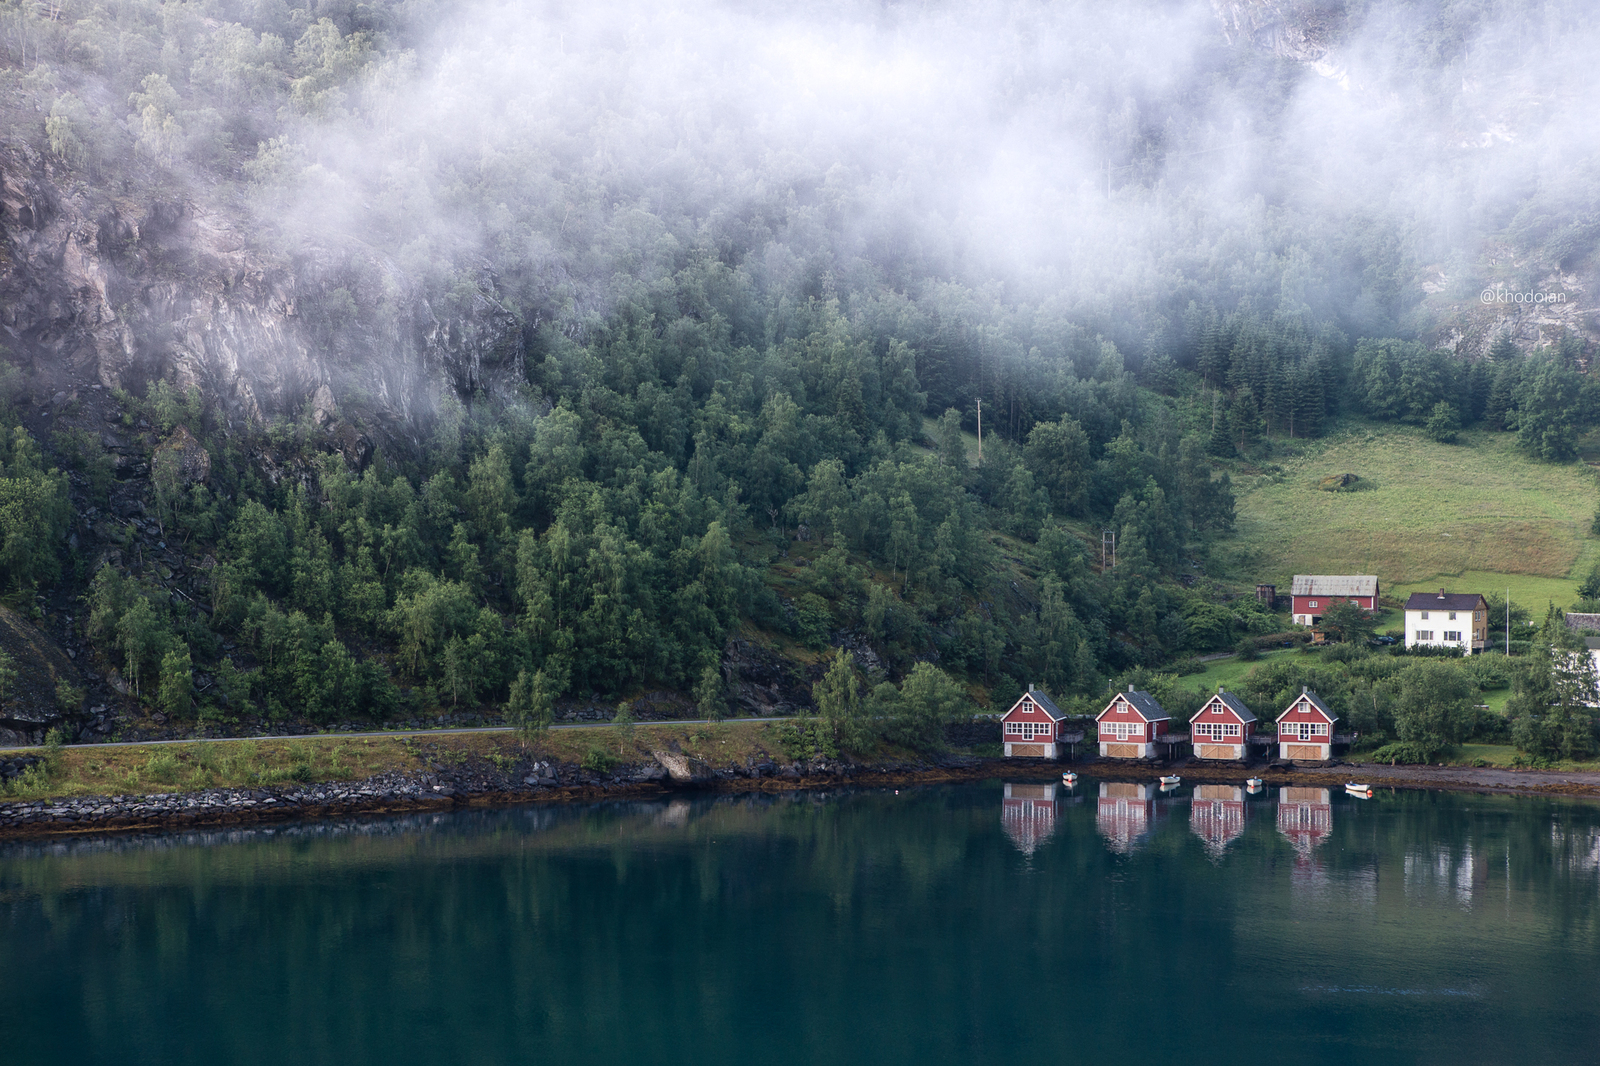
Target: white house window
x=1123, y=730
x=1216, y=710
x=1014, y=729
x=1230, y=729
x=1452, y=616
x=1424, y=616
x=1424, y=634
x=1313, y=603
x=1452, y=634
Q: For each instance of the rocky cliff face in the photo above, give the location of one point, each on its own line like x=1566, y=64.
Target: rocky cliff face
x=1302, y=30
x=120, y=290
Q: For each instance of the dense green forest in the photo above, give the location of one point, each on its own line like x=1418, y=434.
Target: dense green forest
x=745, y=413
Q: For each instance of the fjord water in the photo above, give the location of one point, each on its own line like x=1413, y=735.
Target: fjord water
x=963, y=924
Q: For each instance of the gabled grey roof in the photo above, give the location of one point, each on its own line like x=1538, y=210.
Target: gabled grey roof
x=1045, y=705
x=1142, y=702
x=1583, y=623
x=1443, y=601
x=1307, y=694
x=1334, y=585
x=1234, y=703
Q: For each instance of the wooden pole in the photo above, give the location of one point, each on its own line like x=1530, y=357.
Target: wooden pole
x=980, y=431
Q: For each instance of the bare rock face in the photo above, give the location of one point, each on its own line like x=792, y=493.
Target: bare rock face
x=1302, y=30
x=34, y=704
x=95, y=287
x=187, y=456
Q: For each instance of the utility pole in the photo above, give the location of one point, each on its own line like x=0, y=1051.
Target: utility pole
x=1508, y=623
x=1108, y=550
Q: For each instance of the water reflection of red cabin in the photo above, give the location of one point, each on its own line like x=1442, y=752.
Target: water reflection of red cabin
x=1028, y=815
x=1305, y=816
x=1216, y=814
x=1125, y=814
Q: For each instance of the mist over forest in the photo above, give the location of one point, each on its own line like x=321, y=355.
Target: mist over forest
x=568, y=349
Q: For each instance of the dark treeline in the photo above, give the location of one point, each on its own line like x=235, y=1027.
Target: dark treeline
x=740, y=414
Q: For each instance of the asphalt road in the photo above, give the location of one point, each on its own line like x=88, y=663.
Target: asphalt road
x=392, y=733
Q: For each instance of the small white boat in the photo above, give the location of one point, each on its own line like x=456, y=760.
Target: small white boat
x=1171, y=780
x=1253, y=782
x=1358, y=790
x=1069, y=779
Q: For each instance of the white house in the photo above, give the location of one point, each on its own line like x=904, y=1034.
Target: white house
x=1447, y=620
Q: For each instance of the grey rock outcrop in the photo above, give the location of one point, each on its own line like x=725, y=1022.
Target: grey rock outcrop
x=121, y=290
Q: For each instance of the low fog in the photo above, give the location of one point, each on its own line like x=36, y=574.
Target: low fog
x=1095, y=155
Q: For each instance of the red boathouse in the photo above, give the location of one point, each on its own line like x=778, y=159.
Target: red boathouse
x=1034, y=727
x=1221, y=729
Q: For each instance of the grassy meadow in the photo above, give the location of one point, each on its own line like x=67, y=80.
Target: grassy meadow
x=141, y=769
x=1476, y=513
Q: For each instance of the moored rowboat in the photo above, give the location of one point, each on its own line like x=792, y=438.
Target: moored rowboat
x=1358, y=790
x=1253, y=782
x=1171, y=779
x=1069, y=779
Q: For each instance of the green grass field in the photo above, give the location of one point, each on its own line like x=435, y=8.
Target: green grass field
x=1531, y=592
x=1226, y=672
x=1476, y=512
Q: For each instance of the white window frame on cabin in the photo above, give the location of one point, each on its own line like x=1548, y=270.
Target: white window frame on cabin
x=1453, y=635
x=1424, y=634
x=1424, y=615
x=1230, y=729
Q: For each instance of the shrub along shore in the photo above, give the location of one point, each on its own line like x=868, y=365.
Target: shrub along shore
x=147, y=787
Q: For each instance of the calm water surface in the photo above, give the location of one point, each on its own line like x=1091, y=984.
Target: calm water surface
x=973, y=924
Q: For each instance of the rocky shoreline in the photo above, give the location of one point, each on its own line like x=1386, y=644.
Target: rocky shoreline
x=446, y=787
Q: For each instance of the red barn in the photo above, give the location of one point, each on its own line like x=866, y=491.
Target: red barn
x=1305, y=728
x=1129, y=726
x=1216, y=814
x=1124, y=814
x=1028, y=814
x=1221, y=729
x=1033, y=727
x=1312, y=594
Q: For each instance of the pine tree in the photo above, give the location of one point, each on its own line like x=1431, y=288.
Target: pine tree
x=1213, y=360
x=1244, y=420
x=1504, y=350
x=1220, y=442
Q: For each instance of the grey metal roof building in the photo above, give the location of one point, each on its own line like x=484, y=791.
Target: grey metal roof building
x=1334, y=585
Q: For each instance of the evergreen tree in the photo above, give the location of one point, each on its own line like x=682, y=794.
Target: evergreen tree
x=1443, y=423
x=1220, y=443
x=1244, y=420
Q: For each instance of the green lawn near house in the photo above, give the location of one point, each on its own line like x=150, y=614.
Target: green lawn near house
x=1527, y=590
x=1478, y=510
x=1226, y=672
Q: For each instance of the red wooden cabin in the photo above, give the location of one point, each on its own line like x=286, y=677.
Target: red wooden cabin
x=1221, y=729
x=1033, y=727
x=1130, y=725
x=1305, y=728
